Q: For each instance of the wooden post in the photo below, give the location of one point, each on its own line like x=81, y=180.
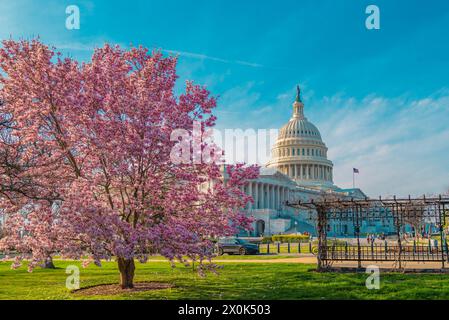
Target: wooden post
x=441, y=223
x=357, y=231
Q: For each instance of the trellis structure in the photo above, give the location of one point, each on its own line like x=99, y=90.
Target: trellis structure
x=402, y=213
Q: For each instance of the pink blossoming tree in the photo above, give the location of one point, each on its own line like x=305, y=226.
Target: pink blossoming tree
x=86, y=160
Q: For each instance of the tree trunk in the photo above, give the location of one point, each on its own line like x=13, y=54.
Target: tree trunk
x=48, y=263
x=126, y=268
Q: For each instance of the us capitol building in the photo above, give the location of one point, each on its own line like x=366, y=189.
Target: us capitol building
x=298, y=170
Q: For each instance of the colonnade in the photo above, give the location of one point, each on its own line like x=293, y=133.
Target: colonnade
x=307, y=171
x=266, y=195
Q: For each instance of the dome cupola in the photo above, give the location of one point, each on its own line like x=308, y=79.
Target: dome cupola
x=299, y=151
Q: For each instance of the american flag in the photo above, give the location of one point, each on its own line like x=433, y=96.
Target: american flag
x=355, y=170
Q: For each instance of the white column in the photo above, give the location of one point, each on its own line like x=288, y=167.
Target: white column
x=267, y=196
x=269, y=202
x=278, y=200
x=250, y=193
x=262, y=194
x=256, y=195
x=280, y=196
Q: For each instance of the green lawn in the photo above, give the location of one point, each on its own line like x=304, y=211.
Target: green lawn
x=235, y=281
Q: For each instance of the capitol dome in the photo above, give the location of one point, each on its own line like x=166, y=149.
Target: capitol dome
x=299, y=151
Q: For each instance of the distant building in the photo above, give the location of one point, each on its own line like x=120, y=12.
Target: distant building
x=299, y=170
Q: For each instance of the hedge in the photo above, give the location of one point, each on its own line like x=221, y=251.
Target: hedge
x=290, y=238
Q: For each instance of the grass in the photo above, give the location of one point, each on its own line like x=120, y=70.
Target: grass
x=235, y=281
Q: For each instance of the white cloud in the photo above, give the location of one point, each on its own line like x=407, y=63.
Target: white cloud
x=206, y=57
x=400, y=145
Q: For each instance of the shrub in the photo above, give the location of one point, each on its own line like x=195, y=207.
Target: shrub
x=290, y=238
x=266, y=240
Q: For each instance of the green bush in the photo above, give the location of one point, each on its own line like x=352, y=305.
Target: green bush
x=266, y=240
x=283, y=238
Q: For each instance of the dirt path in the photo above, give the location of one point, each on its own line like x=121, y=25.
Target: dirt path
x=307, y=260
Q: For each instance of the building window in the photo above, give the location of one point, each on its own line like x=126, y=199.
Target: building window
x=293, y=152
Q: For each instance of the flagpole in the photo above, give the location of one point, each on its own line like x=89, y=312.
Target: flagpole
x=353, y=179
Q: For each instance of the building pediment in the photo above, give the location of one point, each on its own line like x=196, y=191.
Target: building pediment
x=274, y=174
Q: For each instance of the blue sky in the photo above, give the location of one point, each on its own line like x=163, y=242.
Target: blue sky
x=379, y=97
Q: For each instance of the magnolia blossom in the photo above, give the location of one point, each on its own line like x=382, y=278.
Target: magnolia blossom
x=85, y=159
